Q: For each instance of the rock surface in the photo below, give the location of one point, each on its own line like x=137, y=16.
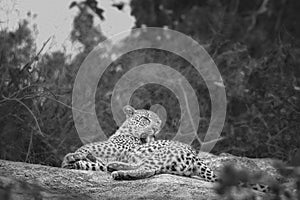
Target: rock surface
x=28, y=181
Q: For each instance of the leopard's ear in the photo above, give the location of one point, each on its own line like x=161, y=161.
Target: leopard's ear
x=129, y=111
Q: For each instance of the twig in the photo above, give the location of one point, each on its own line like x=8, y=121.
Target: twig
x=20, y=90
x=34, y=96
x=188, y=111
x=277, y=134
x=36, y=57
x=29, y=146
x=82, y=111
x=263, y=8
x=215, y=140
x=29, y=110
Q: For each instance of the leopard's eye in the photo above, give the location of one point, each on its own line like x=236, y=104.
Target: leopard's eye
x=144, y=120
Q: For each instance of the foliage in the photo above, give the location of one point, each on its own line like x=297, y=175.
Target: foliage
x=254, y=44
x=37, y=124
x=233, y=178
x=16, y=123
x=257, y=52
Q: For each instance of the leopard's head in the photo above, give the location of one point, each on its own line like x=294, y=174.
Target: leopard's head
x=143, y=124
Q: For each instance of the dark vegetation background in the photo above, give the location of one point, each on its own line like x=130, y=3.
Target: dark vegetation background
x=255, y=45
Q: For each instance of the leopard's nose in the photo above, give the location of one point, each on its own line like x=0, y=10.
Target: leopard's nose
x=155, y=129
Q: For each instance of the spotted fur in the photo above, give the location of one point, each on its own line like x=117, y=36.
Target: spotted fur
x=94, y=156
x=128, y=158
x=164, y=156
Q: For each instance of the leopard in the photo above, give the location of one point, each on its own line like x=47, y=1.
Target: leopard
x=140, y=126
x=167, y=157
x=134, y=153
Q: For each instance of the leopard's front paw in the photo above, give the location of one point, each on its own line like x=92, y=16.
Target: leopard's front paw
x=69, y=166
x=71, y=158
x=111, y=167
x=116, y=175
x=80, y=165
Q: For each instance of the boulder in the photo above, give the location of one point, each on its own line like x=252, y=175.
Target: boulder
x=20, y=180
